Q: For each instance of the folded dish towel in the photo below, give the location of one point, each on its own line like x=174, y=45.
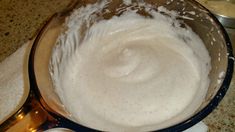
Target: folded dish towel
x=14, y=84
x=13, y=81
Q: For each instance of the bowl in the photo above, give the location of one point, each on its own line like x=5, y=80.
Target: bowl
x=201, y=21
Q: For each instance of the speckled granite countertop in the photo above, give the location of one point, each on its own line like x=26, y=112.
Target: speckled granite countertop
x=21, y=19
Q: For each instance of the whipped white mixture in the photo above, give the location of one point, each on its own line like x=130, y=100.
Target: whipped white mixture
x=129, y=72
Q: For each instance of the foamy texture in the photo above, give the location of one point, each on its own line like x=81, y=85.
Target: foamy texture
x=130, y=72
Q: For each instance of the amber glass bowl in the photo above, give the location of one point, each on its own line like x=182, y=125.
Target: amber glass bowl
x=204, y=24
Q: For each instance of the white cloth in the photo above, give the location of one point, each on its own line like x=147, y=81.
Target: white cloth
x=199, y=127
x=14, y=82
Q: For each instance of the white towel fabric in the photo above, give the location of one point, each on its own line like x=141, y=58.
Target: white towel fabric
x=14, y=84
x=13, y=81
x=199, y=127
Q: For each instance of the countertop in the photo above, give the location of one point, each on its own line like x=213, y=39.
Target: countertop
x=21, y=19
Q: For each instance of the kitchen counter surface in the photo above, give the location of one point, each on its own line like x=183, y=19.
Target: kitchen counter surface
x=21, y=19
